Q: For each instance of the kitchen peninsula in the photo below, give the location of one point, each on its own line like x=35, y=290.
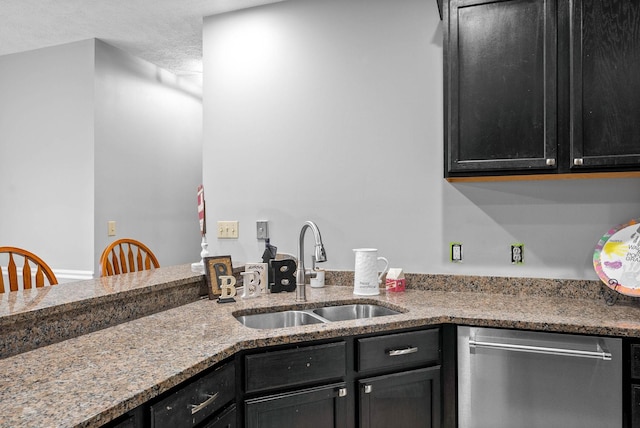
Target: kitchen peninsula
x=93, y=378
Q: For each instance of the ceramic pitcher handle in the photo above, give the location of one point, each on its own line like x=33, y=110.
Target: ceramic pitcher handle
x=386, y=267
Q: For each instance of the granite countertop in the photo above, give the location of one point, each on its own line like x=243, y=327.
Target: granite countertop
x=88, y=380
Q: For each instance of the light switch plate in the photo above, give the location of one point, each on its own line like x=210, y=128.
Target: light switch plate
x=111, y=228
x=228, y=229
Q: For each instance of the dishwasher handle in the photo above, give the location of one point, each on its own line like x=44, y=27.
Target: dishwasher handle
x=601, y=354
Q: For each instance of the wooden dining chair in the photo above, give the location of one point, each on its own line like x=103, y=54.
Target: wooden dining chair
x=126, y=255
x=42, y=270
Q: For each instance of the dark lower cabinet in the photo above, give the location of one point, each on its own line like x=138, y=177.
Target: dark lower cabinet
x=409, y=399
x=296, y=366
x=228, y=419
x=132, y=419
x=631, y=383
x=196, y=401
x=635, y=406
x=369, y=381
x=297, y=386
x=398, y=379
x=323, y=406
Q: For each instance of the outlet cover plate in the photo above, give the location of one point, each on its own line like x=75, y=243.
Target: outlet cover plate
x=262, y=229
x=455, y=252
x=517, y=254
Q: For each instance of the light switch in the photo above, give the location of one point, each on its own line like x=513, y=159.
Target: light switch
x=111, y=228
x=227, y=229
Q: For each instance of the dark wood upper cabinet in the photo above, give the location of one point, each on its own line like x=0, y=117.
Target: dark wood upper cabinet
x=605, y=83
x=541, y=86
x=501, y=70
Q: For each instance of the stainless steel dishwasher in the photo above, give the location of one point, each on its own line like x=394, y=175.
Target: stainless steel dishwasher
x=523, y=379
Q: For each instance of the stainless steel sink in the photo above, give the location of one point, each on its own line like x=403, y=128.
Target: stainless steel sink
x=293, y=318
x=352, y=312
x=279, y=319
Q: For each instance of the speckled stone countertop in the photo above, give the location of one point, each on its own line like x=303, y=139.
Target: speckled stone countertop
x=41, y=316
x=88, y=380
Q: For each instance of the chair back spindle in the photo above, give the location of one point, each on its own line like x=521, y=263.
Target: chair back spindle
x=42, y=270
x=126, y=255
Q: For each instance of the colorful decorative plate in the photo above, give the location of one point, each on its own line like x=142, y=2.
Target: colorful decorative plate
x=617, y=258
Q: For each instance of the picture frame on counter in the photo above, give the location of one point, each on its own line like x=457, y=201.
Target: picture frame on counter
x=216, y=267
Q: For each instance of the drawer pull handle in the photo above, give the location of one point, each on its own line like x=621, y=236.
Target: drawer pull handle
x=195, y=408
x=368, y=389
x=405, y=351
x=342, y=392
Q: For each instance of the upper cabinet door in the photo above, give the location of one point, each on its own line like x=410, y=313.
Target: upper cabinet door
x=605, y=83
x=500, y=85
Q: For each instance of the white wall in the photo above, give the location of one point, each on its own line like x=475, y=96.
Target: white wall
x=46, y=154
x=331, y=110
x=88, y=134
x=148, y=156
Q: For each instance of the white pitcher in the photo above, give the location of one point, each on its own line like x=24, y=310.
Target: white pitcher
x=366, y=278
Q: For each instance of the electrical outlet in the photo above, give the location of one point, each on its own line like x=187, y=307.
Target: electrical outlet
x=111, y=228
x=455, y=252
x=517, y=254
x=262, y=229
x=227, y=229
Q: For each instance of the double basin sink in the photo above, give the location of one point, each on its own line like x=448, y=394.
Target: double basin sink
x=293, y=317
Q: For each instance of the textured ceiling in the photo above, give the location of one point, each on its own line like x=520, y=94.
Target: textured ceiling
x=167, y=33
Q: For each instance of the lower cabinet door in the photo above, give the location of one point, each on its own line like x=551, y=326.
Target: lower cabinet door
x=408, y=399
x=226, y=419
x=324, y=406
x=635, y=406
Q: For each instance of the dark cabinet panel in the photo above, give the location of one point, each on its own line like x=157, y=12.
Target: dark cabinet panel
x=401, y=400
x=635, y=406
x=227, y=419
x=296, y=366
x=323, y=406
x=195, y=402
x=605, y=83
x=398, y=350
x=133, y=419
x=501, y=69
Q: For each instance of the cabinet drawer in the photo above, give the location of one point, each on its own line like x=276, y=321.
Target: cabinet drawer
x=196, y=401
x=293, y=367
x=401, y=349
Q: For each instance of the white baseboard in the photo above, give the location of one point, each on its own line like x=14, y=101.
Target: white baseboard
x=62, y=275
x=68, y=275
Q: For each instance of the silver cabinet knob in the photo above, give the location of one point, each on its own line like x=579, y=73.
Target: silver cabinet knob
x=578, y=162
x=551, y=162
